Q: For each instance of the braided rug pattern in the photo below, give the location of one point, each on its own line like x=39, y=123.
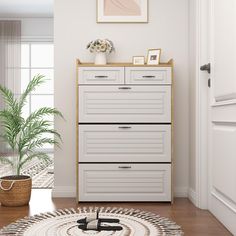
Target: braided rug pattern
x=63, y=223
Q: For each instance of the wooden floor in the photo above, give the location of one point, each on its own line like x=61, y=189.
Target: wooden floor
x=193, y=221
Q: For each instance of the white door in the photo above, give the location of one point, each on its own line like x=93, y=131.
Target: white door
x=222, y=115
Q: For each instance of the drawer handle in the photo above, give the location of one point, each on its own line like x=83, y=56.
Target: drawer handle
x=124, y=167
x=101, y=76
x=149, y=76
x=125, y=127
x=125, y=88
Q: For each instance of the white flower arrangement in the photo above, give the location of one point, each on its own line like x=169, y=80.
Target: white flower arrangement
x=101, y=45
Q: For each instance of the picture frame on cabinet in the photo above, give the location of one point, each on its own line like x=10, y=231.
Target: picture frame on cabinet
x=122, y=11
x=153, y=57
x=138, y=60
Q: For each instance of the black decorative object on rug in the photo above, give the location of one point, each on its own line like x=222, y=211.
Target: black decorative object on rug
x=94, y=222
x=64, y=222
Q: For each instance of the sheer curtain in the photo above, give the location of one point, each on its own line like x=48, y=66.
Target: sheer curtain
x=10, y=58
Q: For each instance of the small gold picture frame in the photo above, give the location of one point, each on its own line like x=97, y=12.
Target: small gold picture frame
x=138, y=60
x=153, y=57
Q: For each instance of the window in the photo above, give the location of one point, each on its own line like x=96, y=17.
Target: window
x=38, y=58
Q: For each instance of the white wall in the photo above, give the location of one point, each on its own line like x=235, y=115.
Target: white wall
x=75, y=25
x=37, y=28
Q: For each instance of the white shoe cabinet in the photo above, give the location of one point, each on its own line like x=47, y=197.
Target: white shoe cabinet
x=124, y=132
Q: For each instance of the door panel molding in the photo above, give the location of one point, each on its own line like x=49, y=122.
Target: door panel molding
x=226, y=98
x=224, y=103
x=223, y=160
x=226, y=201
x=224, y=113
x=223, y=34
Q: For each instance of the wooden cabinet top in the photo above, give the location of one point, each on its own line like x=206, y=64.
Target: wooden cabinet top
x=123, y=64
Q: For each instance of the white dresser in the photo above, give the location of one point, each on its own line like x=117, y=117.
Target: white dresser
x=124, y=132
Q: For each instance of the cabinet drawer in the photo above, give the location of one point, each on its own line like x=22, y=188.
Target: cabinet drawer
x=148, y=75
x=124, y=182
x=129, y=104
x=101, y=75
x=124, y=143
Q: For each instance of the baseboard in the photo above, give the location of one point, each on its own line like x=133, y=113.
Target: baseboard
x=63, y=191
x=192, y=196
x=181, y=192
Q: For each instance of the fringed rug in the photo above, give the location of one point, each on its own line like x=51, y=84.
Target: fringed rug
x=40, y=171
x=64, y=222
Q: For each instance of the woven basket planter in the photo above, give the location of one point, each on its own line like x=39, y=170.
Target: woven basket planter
x=15, y=190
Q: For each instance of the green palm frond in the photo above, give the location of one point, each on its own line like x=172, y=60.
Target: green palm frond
x=24, y=136
x=4, y=160
x=11, y=120
x=34, y=131
x=40, y=142
x=44, y=111
x=8, y=138
x=33, y=84
x=11, y=124
x=8, y=96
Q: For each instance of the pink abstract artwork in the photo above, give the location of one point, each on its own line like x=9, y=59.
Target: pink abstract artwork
x=122, y=8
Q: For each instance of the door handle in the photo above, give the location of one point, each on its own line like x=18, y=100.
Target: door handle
x=149, y=76
x=124, y=127
x=125, y=88
x=101, y=76
x=206, y=67
x=124, y=167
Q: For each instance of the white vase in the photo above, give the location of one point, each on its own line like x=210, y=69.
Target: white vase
x=100, y=58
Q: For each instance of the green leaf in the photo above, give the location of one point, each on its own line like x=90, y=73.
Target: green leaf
x=4, y=160
x=33, y=84
x=8, y=96
x=44, y=111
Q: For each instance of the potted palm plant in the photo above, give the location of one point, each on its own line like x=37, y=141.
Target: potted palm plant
x=23, y=138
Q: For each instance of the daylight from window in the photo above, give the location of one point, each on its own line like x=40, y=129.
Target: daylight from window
x=37, y=58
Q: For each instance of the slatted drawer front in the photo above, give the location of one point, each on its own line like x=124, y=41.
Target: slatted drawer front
x=130, y=104
x=124, y=182
x=148, y=75
x=125, y=143
x=101, y=75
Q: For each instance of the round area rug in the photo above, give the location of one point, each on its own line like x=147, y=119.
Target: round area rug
x=64, y=222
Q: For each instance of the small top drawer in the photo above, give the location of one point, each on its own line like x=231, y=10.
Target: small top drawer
x=101, y=75
x=148, y=75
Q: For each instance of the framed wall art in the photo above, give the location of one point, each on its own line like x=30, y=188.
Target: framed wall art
x=122, y=11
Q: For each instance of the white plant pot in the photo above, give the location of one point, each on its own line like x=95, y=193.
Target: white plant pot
x=100, y=58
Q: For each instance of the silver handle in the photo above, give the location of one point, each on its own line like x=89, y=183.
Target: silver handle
x=125, y=88
x=125, y=127
x=101, y=76
x=149, y=76
x=124, y=167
